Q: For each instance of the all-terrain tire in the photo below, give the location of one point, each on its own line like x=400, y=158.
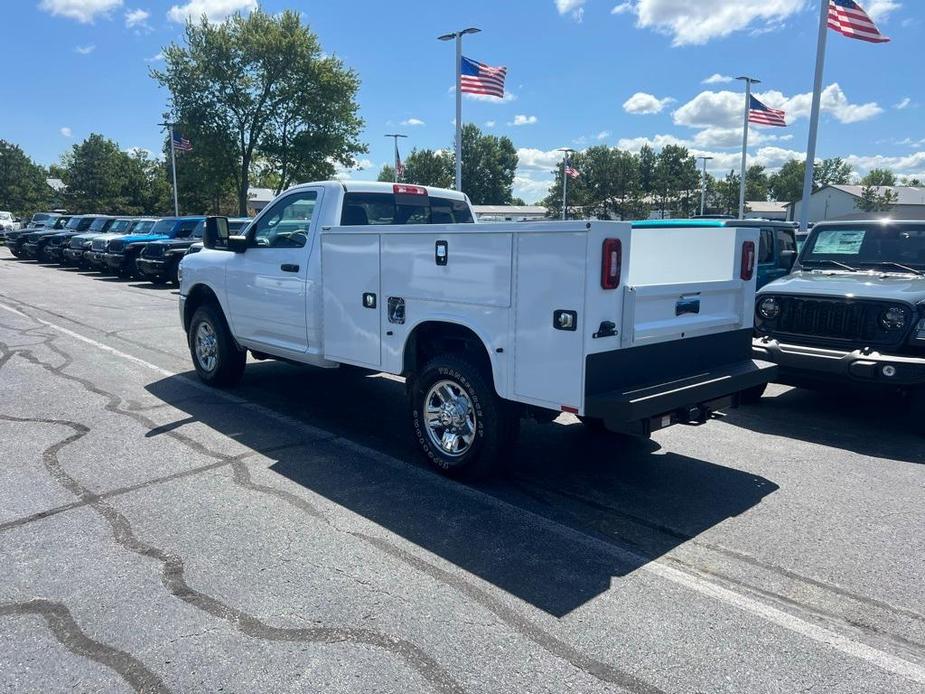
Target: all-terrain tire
x=495, y=422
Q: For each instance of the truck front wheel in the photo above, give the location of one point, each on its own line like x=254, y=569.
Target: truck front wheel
x=460, y=423
x=217, y=359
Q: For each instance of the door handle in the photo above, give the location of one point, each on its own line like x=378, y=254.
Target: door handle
x=289, y=267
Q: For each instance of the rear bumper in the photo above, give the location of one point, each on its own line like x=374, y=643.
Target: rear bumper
x=694, y=398
x=799, y=363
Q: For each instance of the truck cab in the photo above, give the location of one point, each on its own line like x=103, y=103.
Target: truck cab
x=486, y=322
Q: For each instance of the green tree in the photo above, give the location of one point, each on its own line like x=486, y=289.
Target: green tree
x=786, y=185
x=206, y=175
x=428, y=167
x=95, y=172
x=756, y=183
x=912, y=181
x=676, y=180
x=647, y=163
x=874, y=199
x=879, y=177
x=23, y=189
x=726, y=198
x=387, y=174
x=261, y=82
x=488, y=167
x=832, y=172
x=145, y=188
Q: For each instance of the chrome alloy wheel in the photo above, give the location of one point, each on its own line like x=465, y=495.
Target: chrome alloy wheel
x=449, y=418
x=206, y=347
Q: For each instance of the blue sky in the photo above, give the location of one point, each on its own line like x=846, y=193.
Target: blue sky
x=580, y=72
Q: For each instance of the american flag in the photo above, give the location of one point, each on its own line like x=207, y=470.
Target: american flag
x=181, y=143
x=478, y=78
x=399, y=169
x=570, y=170
x=849, y=19
x=763, y=115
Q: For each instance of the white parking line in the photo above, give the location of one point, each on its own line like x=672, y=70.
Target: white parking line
x=827, y=637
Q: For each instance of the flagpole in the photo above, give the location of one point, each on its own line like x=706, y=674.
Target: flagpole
x=748, y=99
x=395, y=137
x=814, y=114
x=458, y=36
x=703, y=185
x=565, y=154
x=173, y=167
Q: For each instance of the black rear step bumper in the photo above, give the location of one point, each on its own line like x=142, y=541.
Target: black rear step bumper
x=687, y=400
x=800, y=363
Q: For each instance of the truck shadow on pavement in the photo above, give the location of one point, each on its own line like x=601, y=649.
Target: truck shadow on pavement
x=864, y=422
x=641, y=501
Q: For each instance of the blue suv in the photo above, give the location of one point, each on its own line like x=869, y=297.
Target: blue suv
x=121, y=253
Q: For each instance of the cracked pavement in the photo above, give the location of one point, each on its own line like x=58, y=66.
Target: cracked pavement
x=156, y=535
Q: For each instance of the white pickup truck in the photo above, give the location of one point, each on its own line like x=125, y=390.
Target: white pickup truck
x=631, y=330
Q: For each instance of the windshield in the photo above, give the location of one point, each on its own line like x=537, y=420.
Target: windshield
x=99, y=223
x=165, y=227
x=74, y=223
x=142, y=226
x=866, y=246
x=41, y=216
x=5, y=215
x=120, y=226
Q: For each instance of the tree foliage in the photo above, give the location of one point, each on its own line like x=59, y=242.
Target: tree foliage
x=879, y=177
x=875, y=199
x=488, y=167
x=832, y=172
x=23, y=189
x=608, y=186
x=429, y=167
x=260, y=85
x=387, y=174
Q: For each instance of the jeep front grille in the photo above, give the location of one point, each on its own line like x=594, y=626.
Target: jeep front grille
x=838, y=319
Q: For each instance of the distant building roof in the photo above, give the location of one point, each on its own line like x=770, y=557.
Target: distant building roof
x=767, y=206
x=509, y=209
x=906, y=195
x=56, y=184
x=259, y=195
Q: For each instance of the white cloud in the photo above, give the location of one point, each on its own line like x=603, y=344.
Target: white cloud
x=903, y=166
x=86, y=50
x=214, y=10
x=699, y=22
x=66, y=132
x=489, y=124
x=575, y=8
x=344, y=173
x=521, y=119
x=84, y=11
x=622, y=8
x=531, y=189
x=643, y=103
x=412, y=122
x=717, y=78
x=724, y=109
x=879, y=10
x=138, y=20
x=903, y=104
x=155, y=58
x=531, y=159
x=602, y=135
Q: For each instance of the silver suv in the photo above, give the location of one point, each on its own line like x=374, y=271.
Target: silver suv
x=853, y=310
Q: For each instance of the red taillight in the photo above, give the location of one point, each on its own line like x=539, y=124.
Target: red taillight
x=748, y=260
x=404, y=189
x=611, y=260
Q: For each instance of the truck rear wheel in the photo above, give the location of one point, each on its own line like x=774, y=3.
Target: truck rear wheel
x=460, y=423
x=217, y=359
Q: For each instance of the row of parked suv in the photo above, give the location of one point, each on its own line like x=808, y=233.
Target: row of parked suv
x=148, y=248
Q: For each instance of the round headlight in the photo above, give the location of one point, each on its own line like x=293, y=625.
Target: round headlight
x=769, y=308
x=894, y=318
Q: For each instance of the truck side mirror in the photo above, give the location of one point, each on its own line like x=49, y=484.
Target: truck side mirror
x=787, y=259
x=238, y=244
x=215, y=235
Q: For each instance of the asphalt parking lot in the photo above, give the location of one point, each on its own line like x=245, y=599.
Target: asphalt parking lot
x=158, y=536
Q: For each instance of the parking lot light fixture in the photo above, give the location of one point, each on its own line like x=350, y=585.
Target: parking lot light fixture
x=457, y=36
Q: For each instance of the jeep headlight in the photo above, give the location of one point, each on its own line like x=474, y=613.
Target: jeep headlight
x=894, y=318
x=919, y=332
x=769, y=308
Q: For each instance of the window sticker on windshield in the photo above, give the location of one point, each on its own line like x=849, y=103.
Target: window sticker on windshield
x=839, y=242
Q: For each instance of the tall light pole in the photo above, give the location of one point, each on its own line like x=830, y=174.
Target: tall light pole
x=566, y=153
x=457, y=35
x=814, y=116
x=398, y=166
x=703, y=184
x=173, y=168
x=749, y=81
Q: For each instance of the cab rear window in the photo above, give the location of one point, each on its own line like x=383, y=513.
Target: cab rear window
x=362, y=209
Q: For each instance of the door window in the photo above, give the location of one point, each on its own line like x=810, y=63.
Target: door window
x=766, y=246
x=287, y=223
